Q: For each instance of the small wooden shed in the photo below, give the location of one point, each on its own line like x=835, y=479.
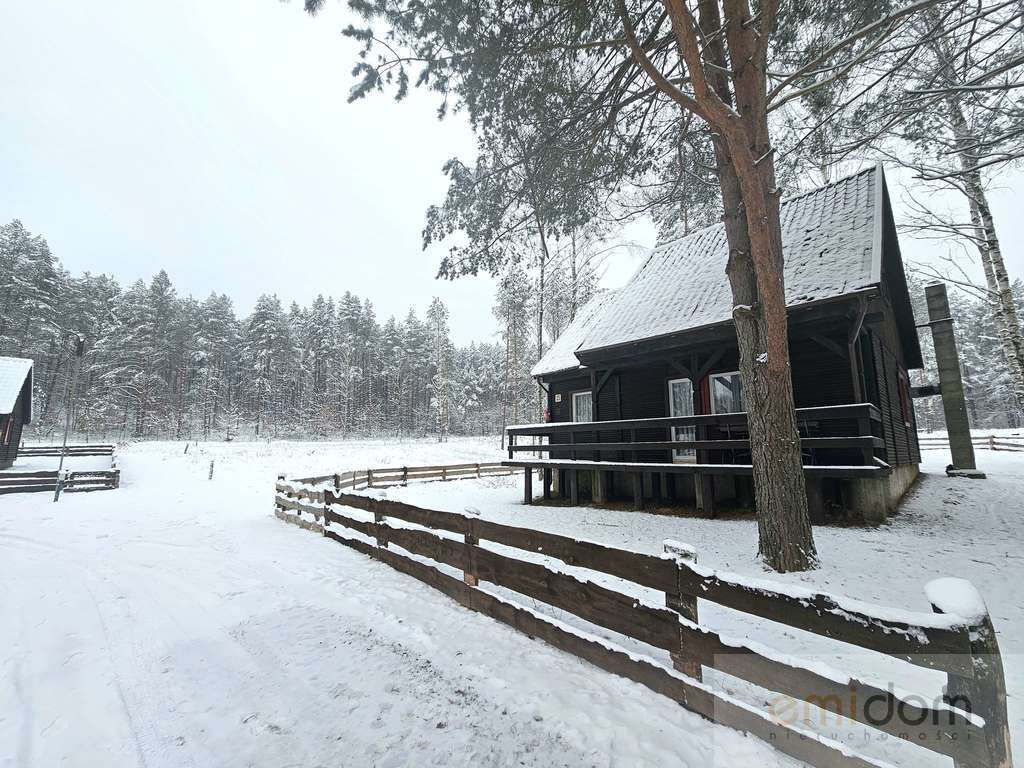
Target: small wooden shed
x=15, y=405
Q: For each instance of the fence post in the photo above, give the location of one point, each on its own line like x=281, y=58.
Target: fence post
x=685, y=605
x=470, y=537
x=210, y=476
x=405, y=475
x=478, y=470
x=985, y=693
x=992, y=442
x=337, y=481
x=369, y=478
x=382, y=536
x=444, y=472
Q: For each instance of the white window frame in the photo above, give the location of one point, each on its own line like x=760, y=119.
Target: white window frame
x=582, y=393
x=711, y=387
x=682, y=455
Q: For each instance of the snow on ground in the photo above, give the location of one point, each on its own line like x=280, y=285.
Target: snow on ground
x=177, y=622
x=971, y=529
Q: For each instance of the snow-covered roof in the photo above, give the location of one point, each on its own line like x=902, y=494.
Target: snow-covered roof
x=13, y=372
x=832, y=245
x=561, y=356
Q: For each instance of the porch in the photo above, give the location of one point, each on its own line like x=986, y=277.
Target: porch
x=704, y=460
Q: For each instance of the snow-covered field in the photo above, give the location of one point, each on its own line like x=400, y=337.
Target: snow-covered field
x=176, y=622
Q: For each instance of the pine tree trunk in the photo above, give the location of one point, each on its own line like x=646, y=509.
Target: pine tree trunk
x=1004, y=309
x=753, y=229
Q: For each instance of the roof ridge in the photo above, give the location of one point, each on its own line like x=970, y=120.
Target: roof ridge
x=871, y=169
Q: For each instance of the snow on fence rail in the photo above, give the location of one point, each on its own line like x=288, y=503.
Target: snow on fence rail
x=385, y=476
x=71, y=450
x=74, y=481
x=31, y=482
x=991, y=442
x=964, y=647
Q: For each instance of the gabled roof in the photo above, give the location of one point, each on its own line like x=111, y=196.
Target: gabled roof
x=14, y=372
x=828, y=242
x=561, y=356
x=832, y=244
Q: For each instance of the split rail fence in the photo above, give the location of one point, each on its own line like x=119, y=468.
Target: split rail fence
x=965, y=649
x=991, y=442
x=385, y=476
x=74, y=481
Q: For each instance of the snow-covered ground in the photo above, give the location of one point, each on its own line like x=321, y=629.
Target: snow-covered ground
x=176, y=622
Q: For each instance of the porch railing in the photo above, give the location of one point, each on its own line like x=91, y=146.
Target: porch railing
x=853, y=428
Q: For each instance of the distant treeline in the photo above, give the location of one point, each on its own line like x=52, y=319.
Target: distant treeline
x=159, y=365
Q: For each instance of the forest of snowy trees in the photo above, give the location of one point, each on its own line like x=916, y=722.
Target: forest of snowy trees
x=159, y=365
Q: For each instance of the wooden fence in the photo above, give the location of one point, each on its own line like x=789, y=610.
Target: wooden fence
x=31, y=482
x=74, y=481
x=71, y=450
x=991, y=442
x=965, y=649
x=385, y=476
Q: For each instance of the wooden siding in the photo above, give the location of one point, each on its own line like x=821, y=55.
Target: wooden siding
x=9, y=450
x=901, y=446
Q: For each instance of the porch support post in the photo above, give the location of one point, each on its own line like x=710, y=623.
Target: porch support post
x=547, y=482
x=704, y=486
x=597, y=486
x=528, y=485
x=851, y=348
x=574, y=487
x=815, y=499
x=638, y=490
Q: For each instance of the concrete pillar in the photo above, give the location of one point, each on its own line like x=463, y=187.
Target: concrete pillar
x=868, y=497
x=950, y=383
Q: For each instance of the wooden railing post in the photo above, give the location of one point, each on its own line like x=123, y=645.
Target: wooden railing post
x=684, y=659
x=405, y=475
x=511, y=442
x=369, y=478
x=985, y=693
x=382, y=537
x=471, y=539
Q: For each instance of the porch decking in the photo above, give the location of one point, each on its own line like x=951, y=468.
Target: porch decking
x=836, y=441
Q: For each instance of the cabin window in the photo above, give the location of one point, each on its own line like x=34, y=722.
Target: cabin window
x=582, y=406
x=680, y=403
x=726, y=393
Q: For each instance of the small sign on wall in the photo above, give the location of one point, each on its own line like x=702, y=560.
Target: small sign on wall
x=558, y=397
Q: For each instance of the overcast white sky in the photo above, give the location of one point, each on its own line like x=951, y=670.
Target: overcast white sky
x=212, y=139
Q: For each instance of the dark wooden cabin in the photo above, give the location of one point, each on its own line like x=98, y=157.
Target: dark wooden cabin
x=644, y=384
x=15, y=405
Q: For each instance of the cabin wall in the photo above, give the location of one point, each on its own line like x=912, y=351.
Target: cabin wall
x=899, y=428
x=9, y=448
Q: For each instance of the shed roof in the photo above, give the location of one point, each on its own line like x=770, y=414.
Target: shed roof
x=13, y=373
